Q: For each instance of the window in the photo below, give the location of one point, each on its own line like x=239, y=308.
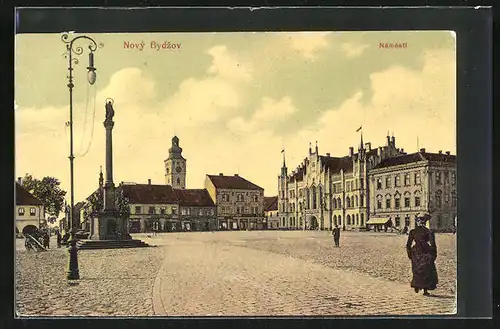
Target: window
x=138, y=209
x=339, y=203
x=335, y=220
x=162, y=210
x=356, y=200
x=407, y=179
x=397, y=221
x=454, y=198
x=357, y=219
x=362, y=219
x=407, y=202
x=396, y=202
x=348, y=202
x=151, y=210
x=334, y=203
x=388, y=182
x=20, y=211
x=438, y=178
x=417, y=201
x=417, y=178
x=362, y=200
x=397, y=180
x=453, y=179
x=439, y=201
x=201, y=212
x=387, y=202
x=361, y=183
x=178, y=180
x=379, y=203
x=314, y=198
x=407, y=220
x=174, y=210
x=446, y=198
x=212, y=212
x=446, y=177
x=32, y=211
x=348, y=219
x=183, y=211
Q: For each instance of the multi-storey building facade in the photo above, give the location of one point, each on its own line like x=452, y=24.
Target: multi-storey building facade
x=271, y=212
x=239, y=202
x=163, y=208
x=197, y=210
x=325, y=191
x=403, y=186
x=30, y=211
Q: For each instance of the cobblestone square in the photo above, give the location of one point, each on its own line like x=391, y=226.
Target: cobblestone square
x=248, y=273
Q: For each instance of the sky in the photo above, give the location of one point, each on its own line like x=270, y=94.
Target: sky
x=235, y=100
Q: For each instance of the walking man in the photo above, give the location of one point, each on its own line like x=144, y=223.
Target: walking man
x=336, y=236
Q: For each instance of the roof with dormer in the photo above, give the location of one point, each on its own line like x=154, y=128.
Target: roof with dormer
x=337, y=164
x=194, y=198
x=235, y=182
x=417, y=157
x=149, y=194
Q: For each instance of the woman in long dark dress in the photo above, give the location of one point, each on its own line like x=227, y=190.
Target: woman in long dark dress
x=422, y=255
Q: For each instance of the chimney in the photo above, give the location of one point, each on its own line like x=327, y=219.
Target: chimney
x=328, y=154
x=368, y=146
x=422, y=150
x=388, y=140
x=351, y=151
x=149, y=181
x=221, y=174
x=236, y=175
x=393, y=140
x=402, y=150
x=447, y=152
x=20, y=180
x=440, y=152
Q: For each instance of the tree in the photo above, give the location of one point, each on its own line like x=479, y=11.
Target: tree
x=48, y=191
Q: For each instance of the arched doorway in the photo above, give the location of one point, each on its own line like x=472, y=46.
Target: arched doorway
x=30, y=229
x=313, y=223
x=348, y=219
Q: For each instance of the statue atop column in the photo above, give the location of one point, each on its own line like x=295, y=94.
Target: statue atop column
x=110, y=112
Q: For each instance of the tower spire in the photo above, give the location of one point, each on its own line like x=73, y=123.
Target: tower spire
x=283, y=169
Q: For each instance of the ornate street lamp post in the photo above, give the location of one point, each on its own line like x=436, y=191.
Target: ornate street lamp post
x=73, y=272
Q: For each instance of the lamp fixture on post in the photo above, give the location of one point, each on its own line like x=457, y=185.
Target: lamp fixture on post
x=73, y=272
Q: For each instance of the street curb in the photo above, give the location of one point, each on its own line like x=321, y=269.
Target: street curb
x=158, y=308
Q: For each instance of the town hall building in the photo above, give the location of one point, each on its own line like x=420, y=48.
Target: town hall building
x=324, y=191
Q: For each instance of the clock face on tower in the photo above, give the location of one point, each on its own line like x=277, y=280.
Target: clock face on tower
x=178, y=169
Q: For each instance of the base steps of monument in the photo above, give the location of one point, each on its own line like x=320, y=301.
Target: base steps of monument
x=111, y=244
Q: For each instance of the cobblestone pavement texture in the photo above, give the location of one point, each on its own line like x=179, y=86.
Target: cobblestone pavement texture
x=113, y=282
x=239, y=273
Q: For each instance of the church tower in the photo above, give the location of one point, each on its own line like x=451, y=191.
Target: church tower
x=175, y=166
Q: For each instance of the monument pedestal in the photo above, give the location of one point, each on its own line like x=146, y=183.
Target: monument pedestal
x=109, y=231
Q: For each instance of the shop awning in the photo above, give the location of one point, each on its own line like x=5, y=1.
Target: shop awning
x=377, y=221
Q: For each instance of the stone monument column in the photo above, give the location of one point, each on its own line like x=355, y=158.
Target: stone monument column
x=109, y=186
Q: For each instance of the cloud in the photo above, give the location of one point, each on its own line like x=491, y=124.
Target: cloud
x=308, y=43
x=129, y=85
x=405, y=102
x=353, y=50
x=227, y=66
x=270, y=113
x=408, y=102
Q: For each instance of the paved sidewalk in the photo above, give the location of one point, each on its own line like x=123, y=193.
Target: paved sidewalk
x=200, y=278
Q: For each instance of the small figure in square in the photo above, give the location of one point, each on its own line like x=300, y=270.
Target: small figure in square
x=336, y=236
x=422, y=255
x=46, y=240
